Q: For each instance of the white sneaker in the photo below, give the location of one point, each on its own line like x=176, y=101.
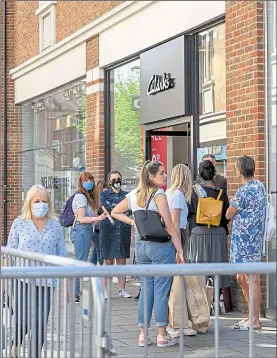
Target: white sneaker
x=105, y=295
x=189, y=332
x=124, y=294
x=175, y=333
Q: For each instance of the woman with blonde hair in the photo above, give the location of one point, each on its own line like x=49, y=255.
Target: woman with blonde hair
x=150, y=192
x=85, y=206
x=37, y=230
x=178, y=197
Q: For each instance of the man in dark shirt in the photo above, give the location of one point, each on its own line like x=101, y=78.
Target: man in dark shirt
x=219, y=180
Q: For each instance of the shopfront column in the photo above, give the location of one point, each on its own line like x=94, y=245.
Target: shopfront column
x=245, y=92
x=95, y=110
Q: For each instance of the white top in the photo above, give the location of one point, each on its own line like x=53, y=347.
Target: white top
x=132, y=201
x=176, y=200
x=80, y=201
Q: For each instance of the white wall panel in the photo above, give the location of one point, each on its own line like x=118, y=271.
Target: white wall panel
x=63, y=69
x=159, y=21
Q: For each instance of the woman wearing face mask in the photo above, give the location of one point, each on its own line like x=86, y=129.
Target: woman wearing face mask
x=37, y=230
x=95, y=256
x=85, y=206
x=115, y=240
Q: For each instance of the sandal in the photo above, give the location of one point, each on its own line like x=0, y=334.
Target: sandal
x=238, y=324
x=141, y=340
x=246, y=326
x=165, y=341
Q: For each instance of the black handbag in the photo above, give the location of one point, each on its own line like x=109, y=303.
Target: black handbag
x=150, y=225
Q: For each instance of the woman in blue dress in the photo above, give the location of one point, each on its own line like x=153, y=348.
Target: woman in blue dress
x=248, y=210
x=115, y=240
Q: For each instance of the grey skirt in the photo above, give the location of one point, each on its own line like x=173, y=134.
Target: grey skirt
x=206, y=245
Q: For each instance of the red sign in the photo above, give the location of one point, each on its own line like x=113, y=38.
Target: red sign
x=159, y=149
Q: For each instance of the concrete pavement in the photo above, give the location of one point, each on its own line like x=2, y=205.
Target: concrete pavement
x=232, y=343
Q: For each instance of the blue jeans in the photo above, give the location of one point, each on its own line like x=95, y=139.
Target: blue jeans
x=95, y=254
x=24, y=312
x=158, y=288
x=81, y=235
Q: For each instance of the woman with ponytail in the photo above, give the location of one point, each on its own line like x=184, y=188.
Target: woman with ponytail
x=152, y=179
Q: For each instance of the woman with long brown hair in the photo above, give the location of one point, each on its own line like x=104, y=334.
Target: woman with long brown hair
x=149, y=191
x=85, y=206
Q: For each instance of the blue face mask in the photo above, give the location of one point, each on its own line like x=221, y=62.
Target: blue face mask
x=39, y=210
x=88, y=185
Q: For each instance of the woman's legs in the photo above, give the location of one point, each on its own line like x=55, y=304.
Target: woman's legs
x=104, y=280
x=243, y=280
x=163, y=255
x=96, y=254
x=121, y=280
x=41, y=312
x=81, y=238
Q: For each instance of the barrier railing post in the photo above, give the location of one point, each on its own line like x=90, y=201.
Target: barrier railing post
x=145, y=317
x=216, y=302
x=181, y=326
x=251, y=315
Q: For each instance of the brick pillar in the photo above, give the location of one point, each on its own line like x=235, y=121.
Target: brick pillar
x=244, y=95
x=13, y=131
x=95, y=111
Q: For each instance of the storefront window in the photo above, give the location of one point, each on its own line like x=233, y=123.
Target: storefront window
x=126, y=130
x=53, y=132
x=212, y=96
x=271, y=130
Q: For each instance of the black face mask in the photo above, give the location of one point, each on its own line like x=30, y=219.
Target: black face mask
x=116, y=183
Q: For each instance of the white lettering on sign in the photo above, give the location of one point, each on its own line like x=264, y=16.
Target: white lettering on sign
x=159, y=83
x=156, y=138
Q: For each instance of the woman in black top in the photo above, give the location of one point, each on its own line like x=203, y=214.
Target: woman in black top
x=208, y=244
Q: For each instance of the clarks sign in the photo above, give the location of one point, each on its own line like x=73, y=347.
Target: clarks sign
x=160, y=83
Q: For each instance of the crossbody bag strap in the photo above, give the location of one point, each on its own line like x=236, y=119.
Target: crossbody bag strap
x=149, y=200
x=219, y=195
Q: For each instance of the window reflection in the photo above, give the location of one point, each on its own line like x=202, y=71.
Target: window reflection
x=126, y=131
x=212, y=96
x=53, y=142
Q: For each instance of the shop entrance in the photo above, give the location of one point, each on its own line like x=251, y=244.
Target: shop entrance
x=171, y=144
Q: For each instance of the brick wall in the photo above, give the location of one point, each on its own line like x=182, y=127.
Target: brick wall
x=245, y=96
x=13, y=138
x=95, y=111
x=70, y=16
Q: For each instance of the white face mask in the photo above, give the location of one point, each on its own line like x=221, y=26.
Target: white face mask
x=39, y=210
x=116, y=185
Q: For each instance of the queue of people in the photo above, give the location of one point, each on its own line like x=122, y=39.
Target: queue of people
x=187, y=239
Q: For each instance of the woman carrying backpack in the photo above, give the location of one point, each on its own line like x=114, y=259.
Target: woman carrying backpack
x=204, y=243
x=85, y=205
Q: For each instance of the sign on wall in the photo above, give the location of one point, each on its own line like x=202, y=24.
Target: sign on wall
x=159, y=149
x=162, y=81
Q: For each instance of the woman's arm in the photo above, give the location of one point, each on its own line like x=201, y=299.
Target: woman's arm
x=176, y=216
x=231, y=212
x=119, y=212
x=163, y=209
x=81, y=212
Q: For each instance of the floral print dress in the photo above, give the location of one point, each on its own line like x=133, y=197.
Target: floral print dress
x=248, y=223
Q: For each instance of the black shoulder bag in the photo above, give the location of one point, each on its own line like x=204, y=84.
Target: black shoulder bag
x=150, y=225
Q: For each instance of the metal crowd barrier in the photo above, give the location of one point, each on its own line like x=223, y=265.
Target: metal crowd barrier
x=98, y=346
x=24, y=304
